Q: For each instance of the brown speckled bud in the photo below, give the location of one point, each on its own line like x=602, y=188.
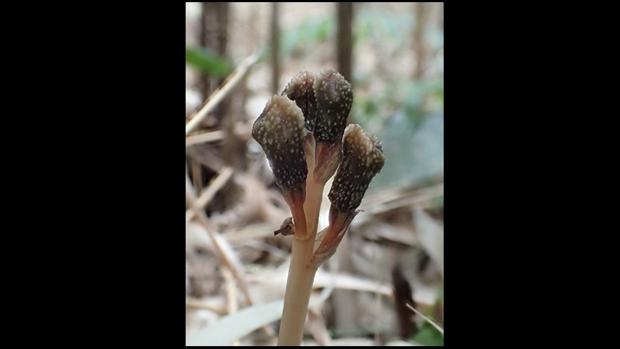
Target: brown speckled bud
x=301, y=90
x=333, y=99
x=362, y=159
x=280, y=132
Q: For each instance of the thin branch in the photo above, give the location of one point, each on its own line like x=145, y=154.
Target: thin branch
x=202, y=219
x=231, y=293
x=425, y=318
x=231, y=296
x=241, y=129
x=219, y=94
x=214, y=236
x=207, y=195
x=206, y=137
x=224, y=257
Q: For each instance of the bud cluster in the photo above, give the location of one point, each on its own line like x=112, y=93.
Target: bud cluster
x=305, y=129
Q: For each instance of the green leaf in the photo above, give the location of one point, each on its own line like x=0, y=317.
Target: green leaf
x=232, y=327
x=400, y=343
x=207, y=61
x=428, y=335
x=413, y=153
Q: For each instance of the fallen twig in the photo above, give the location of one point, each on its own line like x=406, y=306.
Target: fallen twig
x=219, y=94
x=206, y=137
x=224, y=257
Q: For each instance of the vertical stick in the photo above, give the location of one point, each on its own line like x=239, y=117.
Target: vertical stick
x=214, y=36
x=203, y=41
x=344, y=42
x=275, y=48
x=419, y=45
x=196, y=168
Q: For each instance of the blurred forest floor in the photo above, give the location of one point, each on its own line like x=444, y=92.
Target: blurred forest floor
x=233, y=258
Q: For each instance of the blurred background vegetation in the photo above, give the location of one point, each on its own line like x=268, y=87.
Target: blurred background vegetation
x=392, y=53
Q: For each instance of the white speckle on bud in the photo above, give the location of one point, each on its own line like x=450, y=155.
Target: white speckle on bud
x=280, y=132
x=362, y=160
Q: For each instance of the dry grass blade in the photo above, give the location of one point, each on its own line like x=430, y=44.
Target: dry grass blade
x=231, y=296
x=196, y=304
x=219, y=249
x=345, y=281
x=241, y=130
x=391, y=200
x=276, y=278
x=223, y=256
x=426, y=318
x=189, y=188
x=223, y=253
x=227, y=330
x=204, y=138
x=231, y=292
x=217, y=96
x=387, y=196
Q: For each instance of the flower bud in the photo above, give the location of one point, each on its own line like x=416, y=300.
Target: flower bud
x=333, y=100
x=362, y=159
x=280, y=132
x=301, y=90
